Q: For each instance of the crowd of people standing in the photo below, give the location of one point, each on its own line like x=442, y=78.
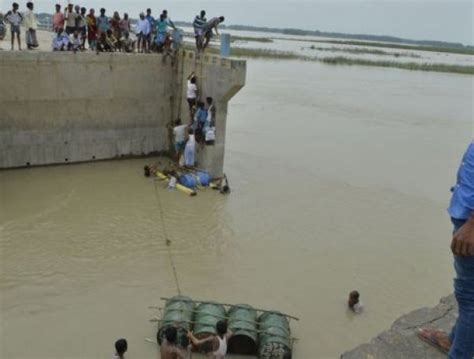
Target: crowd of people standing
x=74, y=25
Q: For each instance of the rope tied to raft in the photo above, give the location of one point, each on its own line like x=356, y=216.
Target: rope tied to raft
x=167, y=240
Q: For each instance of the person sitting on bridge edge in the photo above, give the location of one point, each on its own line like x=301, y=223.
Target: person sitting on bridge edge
x=207, y=30
x=169, y=348
x=121, y=347
x=60, y=40
x=218, y=342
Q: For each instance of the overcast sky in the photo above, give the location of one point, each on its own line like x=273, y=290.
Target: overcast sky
x=447, y=20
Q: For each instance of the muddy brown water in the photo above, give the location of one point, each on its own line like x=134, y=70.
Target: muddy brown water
x=340, y=178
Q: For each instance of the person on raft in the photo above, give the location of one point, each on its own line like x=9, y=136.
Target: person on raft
x=219, y=341
x=169, y=349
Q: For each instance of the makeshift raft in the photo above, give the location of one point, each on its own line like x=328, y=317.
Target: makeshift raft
x=256, y=332
x=189, y=179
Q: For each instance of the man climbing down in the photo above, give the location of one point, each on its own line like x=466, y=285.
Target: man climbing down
x=460, y=342
x=208, y=28
x=179, y=132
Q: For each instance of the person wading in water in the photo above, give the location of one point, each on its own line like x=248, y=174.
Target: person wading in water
x=218, y=342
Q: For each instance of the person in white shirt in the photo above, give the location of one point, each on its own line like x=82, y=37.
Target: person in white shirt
x=143, y=30
x=31, y=25
x=218, y=342
x=192, y=94
x=76, y=41
x=14, y=18
x=190, y=149
x=60, y=41
x=179, y=132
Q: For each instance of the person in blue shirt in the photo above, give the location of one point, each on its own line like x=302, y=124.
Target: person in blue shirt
x=459, y=344
x=152, y=23
x=200, y=119
x=161, y=32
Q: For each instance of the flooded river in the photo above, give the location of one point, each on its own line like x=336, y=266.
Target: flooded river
x=340, y=178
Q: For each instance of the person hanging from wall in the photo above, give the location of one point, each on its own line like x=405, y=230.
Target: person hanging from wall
x=198, y=25
x=179, y=133
x=192, y=95
x=190, y=149
x=199, y=122
x=218, y=342
x=208, y=28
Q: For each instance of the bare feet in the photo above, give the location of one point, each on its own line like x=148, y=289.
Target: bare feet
x=436, y=338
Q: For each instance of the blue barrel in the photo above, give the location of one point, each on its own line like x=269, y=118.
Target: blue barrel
x=225, y=45
x=188, y=180
x=204, y=177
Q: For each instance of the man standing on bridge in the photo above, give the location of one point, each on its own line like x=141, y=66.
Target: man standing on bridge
x=460, y=343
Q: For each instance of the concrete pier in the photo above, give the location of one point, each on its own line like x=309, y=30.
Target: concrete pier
x=401, y=341
x=58, y=108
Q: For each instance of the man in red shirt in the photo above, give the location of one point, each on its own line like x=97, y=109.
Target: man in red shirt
x=58, y=19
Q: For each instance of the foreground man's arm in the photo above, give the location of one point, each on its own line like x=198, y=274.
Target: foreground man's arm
x=463, y=240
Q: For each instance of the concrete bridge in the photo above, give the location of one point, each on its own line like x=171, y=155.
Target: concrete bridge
x=58, y=108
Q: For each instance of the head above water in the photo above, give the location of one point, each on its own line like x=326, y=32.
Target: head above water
x=221, y=328
x=353, y=298
x=171, y=335
x=121, y=346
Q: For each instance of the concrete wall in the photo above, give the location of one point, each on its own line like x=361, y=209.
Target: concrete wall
x=63, y=107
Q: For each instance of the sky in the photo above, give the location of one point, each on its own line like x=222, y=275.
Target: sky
x=445, y=20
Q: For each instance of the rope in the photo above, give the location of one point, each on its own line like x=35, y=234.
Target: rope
x=167, y=240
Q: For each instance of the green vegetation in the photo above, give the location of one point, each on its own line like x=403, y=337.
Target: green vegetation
x=360, y=50
x=450, y=50
x=458, y=69
x=341, y=60
x=250, y=38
